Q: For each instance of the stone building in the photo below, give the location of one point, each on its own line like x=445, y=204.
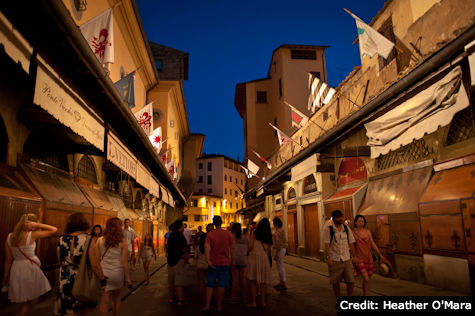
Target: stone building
x=413, y=179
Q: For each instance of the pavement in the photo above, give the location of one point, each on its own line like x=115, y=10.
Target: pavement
x=308, y=293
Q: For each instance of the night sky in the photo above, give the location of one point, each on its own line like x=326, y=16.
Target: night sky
x=232, y=41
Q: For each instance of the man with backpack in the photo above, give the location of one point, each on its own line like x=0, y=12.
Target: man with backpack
x=340, y=252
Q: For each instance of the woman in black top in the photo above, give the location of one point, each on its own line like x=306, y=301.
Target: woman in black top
x=177, y=260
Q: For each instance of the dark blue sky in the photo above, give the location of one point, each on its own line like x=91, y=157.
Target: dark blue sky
x=232, y=41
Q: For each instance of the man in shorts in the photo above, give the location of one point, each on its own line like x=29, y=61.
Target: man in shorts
x=219, y=251
x=340, y=252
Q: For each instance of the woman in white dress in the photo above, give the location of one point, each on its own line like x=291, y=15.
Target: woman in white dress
x=147, y=253
x=113, y=251
x=22, y=274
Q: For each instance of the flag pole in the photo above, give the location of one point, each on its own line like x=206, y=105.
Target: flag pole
x=309, y=120
x=287, y=135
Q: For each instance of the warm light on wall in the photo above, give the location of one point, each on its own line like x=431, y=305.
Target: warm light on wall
x=203, y=202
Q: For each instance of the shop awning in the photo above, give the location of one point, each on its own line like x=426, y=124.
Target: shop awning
x=396, y=193
x=451, y=184
x=249, y=208
x=97, y=198
x=119, y=206
x=132, y=215
x=57, y=187
x=259, y=216
x=305, y=168
x=420, y=115
x=343, y=194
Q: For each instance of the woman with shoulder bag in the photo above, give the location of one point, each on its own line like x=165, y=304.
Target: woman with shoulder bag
x=22, y=274
x=113, y=249
x=71, y=248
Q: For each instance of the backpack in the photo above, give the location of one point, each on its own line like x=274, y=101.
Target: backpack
x=332, y=233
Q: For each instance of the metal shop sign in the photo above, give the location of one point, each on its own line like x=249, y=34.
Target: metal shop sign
x=55, y=97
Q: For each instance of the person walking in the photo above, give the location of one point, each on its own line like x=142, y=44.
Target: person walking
x=187, y=233
x=219, y=250
x=241, y=243
x=147, y=253
x=22, y=273
x=177, y=260
x=258, y=270
x=129, y=235
x=202, y=264
x=364, y=259
x=96, y=232
x=71, y=247
x=113, y=249
x=279, y=248
x=340, y=253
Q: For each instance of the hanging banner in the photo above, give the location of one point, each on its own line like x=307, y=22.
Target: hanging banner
x=55, y=97
x=143, y=176
x=352, y=169
x=120, y=156
x=305, y=168
x=154, y=187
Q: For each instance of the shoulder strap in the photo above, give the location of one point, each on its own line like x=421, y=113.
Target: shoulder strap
x=347, y=234
x=332, y=234
x=103, y=242
x=28, y=238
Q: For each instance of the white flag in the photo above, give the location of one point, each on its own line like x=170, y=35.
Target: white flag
x=156, y=139
x=145, y=118
x=248, y=173
x=319, y=93
x=283, y=138
x=99, y=34
x=371, y=41
x=253, y=168
x=269, y=165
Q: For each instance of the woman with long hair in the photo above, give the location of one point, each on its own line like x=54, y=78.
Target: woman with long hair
x=279, y=248
x=71, y=247
x=147, y=252
x=113, y=250
x=22, y=272
x=258, y=270
x=364, y=244
x=241, y=244
x=96, y=232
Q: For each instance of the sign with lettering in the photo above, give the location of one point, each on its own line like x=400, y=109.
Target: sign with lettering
x=120, y=156
x=59, y=100
x=351, y=170
x=143, y=176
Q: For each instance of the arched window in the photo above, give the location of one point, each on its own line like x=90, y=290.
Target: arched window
x=291, y=194
x=138, y=201
x=309, y=185
x=86, y=169
x=146, y=207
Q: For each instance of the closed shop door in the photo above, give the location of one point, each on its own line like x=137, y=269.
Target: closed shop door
x=312, y=232
x=345, y=206
x=292, y=232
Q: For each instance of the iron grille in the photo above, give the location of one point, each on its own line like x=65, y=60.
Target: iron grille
x=461, y=128
x=415, y=151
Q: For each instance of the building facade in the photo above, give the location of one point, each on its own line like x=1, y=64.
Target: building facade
x=69, y=139
x=219, y=188
x=413, y=180
x=260, y=102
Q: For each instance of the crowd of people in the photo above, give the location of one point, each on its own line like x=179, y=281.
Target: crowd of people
x=234, y=258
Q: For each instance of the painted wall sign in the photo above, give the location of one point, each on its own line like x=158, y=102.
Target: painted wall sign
x=55, y=97
x=351, y=170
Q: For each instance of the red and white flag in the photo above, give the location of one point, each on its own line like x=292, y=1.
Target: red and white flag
x=145, y=118
x=156, y=139
x=171, y=169
x=248, y=173
x=163, y=156
x=269, y=166
x=283, y=138
x=298, y=118
x=99, y=34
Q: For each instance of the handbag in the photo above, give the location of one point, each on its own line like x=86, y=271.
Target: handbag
x=87, y=287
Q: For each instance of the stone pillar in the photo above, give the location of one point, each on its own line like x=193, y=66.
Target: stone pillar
x=268, y=206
